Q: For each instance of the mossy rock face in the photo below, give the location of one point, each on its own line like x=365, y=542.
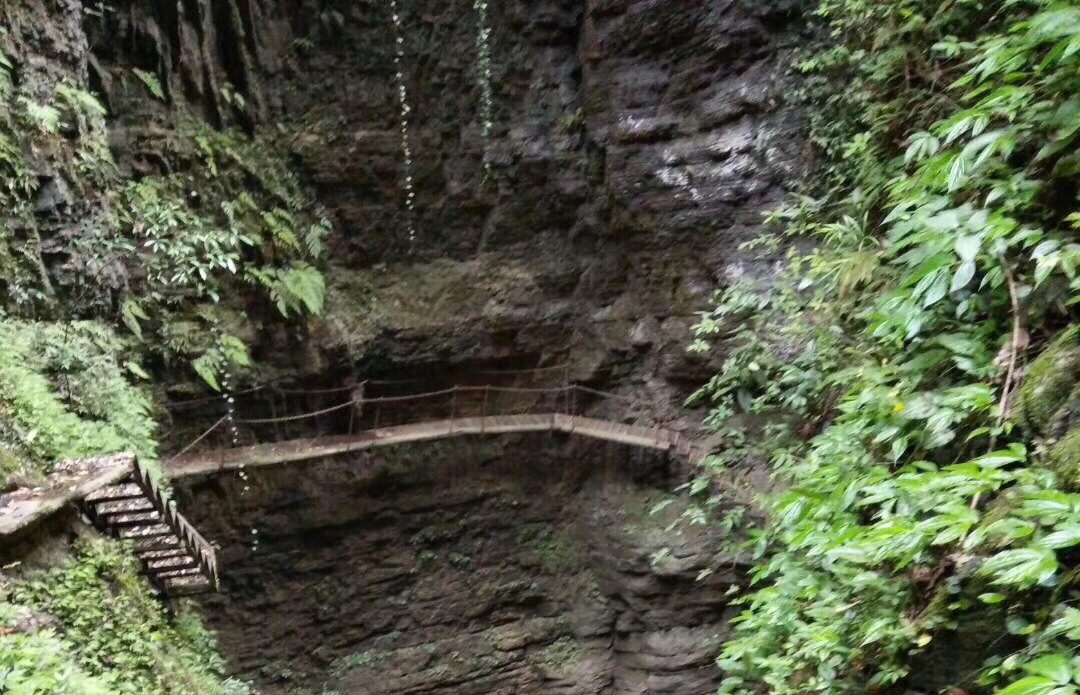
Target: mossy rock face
x=1049, y=381
x=1065, y=458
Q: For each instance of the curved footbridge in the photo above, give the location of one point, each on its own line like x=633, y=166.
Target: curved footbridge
x=122, y=499
x=306, y=449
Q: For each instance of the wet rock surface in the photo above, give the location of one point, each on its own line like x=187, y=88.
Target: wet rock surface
x=634, y=146
x=497, y=565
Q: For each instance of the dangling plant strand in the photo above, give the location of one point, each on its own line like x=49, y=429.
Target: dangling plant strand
x=403, y=122
x=483, y=67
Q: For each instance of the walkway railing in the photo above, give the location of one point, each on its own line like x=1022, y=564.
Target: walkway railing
x=455, y=411
x=360, y=411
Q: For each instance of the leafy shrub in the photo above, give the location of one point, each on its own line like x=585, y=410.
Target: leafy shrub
x=64, y=393
x=37, y=663
x=226, y=227
x=946, y=244
x=111, y=637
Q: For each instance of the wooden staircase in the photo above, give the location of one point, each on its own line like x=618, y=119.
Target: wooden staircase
x=177, y=559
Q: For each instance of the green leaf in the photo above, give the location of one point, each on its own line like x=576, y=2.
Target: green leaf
x=991, y=598
x=1063, y=537
x=1022, y=566
x=1067, y=623
x=937, y=290
x=957, y=172
x=135, y=369
x=151, y=82
x=45, y=116
x=130, y=314
x=1032, y=685
x=967, y=247
x=996, y=459
x=234, y=350
x=207, y=368
x=920, y=146
x=962, y=276
x=1053, y=666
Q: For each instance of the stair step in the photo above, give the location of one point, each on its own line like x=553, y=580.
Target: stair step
x=171, y=563
x=173, y=554
x=177, y=573
x=136, y=519
x=148, y=555
x=147, y=531
x=123, y=506
x=185, y=586
x=110, y=493
x=154, y=543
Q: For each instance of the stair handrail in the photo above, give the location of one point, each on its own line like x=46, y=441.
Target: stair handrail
x=194, y=543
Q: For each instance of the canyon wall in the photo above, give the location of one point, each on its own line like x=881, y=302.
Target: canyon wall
x=634, y=146
x=497, y=565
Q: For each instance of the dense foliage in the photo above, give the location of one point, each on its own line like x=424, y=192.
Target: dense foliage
x=227, y=219
x=66, y=394
x=100, y=632
x=141, y=270
x=119, y=270
x=925, y=475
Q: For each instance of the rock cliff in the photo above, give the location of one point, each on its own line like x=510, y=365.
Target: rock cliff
x=512, y=565
x=632, y=147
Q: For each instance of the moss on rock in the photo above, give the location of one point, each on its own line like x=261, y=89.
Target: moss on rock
x=1064, y=458
x=1048, y=381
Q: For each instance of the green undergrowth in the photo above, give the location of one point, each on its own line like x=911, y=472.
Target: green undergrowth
x=124, y=274
x=89, y=626
x=65, y=393
x=921, y=456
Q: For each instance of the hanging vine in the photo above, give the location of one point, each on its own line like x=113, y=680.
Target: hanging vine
x=483, y=67
x=404, y=110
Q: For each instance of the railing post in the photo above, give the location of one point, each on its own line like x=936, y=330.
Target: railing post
x=483, y=409
x=453, y=407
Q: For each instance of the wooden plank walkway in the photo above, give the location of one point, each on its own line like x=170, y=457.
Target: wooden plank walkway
x=22, y=508
x=307, y=449
x=119, y=495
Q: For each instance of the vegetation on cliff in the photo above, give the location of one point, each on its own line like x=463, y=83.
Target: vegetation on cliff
x=919, y=488
x=917, y=369
x=90, y=626
x=116, y=277
x=111, y=274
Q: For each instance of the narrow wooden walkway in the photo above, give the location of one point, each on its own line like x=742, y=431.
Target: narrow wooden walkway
x=24, y=507
x=307, y=449
x=121, y=498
